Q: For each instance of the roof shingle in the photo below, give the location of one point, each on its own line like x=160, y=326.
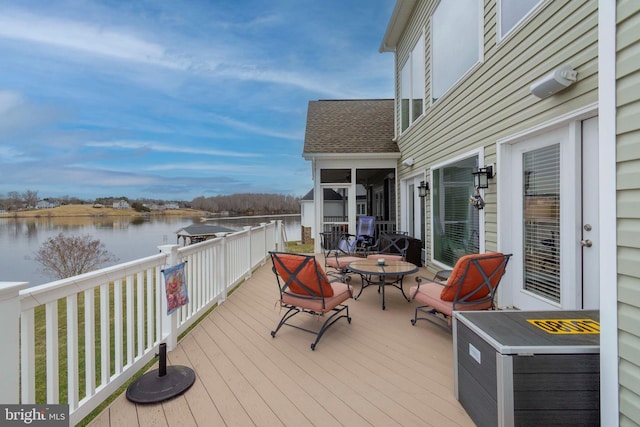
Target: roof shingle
x=350, y=126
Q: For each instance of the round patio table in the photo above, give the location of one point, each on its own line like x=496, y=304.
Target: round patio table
x=391, y=273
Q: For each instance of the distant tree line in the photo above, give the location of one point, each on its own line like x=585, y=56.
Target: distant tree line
x=249, y=204
x=235, y=204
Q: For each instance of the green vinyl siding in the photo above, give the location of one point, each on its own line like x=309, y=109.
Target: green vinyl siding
x=493, y=100
x=628, y=206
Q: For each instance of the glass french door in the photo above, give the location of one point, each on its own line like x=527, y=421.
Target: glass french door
x=554, y=188
x=537, y=218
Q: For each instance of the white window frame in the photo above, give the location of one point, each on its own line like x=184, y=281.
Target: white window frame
x=481, y=218
x=418, y=48
x=471, y=69
x=500, y=37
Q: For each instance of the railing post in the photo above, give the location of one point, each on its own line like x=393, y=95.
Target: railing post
x=169, y=322
x=249, y=252
x=279, y=239
x=265, y=227
x=222, y=264
x=10, y=339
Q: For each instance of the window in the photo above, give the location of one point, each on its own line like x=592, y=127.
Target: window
x=511, y=12
x=456, y=42
x=412, y=86
x=361, y=208
x=541, y=222
x=456, y=223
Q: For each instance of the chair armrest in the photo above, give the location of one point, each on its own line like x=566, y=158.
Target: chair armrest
x=420, y=279
x=343, y=278
x=334, y=276
x=443, y=275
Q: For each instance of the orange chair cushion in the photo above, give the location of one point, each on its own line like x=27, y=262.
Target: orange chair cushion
x=341, y=262
x=429, y=294
x=341, y=293
x=311, y=275
x=473, y=279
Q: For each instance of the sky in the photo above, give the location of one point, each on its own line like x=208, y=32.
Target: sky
x=174, y=100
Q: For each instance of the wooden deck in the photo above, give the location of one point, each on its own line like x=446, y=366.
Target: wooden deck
x=378, y=370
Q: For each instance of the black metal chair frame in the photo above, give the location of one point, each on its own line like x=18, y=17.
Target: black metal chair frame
x=467, y=298
x=395, y=244
x=338, y=312
x=336, y=246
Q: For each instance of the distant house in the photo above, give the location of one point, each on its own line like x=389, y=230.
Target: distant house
x=334, y=207
x=45, y=204
x=171, y=206
x=121, y=204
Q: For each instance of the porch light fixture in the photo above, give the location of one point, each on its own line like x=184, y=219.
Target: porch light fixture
x=561, y=78
x=482, y=176
x=423, y=189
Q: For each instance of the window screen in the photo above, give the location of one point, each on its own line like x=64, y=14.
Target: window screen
x=514, y=11
x=412, y=86
x=541, y=182
x=456, y=222
x=455, y=42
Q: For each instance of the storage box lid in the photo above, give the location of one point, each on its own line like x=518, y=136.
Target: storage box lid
x=536, y=332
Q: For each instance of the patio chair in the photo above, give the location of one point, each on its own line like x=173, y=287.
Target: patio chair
x=390, y=246
x=471, y=286
x=365, y=233
x=305, y=288
x=338, y=250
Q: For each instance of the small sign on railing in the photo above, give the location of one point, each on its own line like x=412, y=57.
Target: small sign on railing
x=176, y=287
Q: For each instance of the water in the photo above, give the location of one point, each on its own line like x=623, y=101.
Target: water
x=126, y=237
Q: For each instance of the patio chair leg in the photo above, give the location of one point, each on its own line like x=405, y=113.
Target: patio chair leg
x=432, y=317
x=288, y=315
x=330, y=321
x=333, y=318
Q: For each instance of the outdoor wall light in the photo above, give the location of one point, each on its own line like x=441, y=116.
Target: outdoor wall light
x=562, y=77
x=482, y=176
x=423, y=189
x=408, y=162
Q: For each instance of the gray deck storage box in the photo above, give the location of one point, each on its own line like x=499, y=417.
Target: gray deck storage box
x=528, y=368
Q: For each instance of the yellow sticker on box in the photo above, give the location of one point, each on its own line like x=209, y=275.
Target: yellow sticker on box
x=567, y=326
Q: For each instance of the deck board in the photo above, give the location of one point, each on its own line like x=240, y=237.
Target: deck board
x=378, y=370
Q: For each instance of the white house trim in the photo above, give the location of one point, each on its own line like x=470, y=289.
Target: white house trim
x=609, y=381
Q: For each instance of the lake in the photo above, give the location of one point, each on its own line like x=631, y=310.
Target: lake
x=126, y=237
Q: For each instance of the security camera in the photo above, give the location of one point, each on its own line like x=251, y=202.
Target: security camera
x=408, y=162
x=559, y=79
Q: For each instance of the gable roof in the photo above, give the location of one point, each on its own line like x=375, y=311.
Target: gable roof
x=329, y=194
x=350, y=126
x=203, y=230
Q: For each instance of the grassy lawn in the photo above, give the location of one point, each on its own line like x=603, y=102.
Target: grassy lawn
x=299, y=248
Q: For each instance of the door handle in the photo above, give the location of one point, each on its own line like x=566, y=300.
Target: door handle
x=586, y=243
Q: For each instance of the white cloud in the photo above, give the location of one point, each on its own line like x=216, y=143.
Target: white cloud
x=152, y=146
x=92, y=39
x=8, y=101
x=248, y=127
x=213, y=168
x=185, y=55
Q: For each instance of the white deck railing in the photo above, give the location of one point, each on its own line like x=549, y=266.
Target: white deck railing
x=78, y=340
